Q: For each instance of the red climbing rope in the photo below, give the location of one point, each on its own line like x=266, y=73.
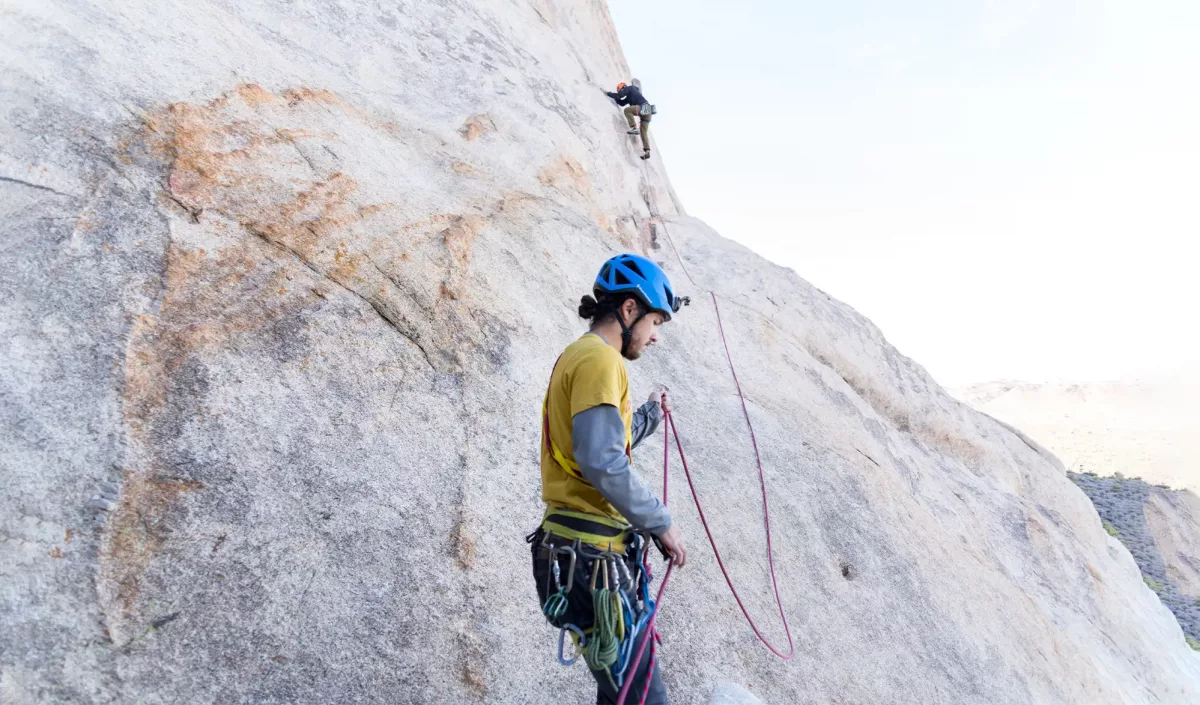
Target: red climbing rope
x=762, y=481
x=671, y=430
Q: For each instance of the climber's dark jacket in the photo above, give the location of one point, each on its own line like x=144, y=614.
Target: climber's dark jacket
x=629, y=95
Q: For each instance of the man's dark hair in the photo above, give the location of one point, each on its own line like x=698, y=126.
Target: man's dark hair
x=600, y=311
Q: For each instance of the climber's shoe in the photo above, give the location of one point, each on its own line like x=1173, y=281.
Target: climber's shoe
x=633, y=131
x=646, y=155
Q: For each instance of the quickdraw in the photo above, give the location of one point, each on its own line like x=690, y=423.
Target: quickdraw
x=556, y=603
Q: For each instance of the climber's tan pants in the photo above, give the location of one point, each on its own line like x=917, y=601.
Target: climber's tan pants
x=630, y=112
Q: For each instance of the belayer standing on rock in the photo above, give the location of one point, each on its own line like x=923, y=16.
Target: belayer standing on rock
x=591, y=552
x=630, y=95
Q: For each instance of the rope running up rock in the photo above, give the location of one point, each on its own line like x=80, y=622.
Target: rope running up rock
x=650, y=633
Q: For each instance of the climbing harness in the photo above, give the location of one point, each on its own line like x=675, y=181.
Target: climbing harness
x=591, y=529
x=620, y=600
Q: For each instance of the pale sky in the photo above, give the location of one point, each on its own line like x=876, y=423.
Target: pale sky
x=1007, y=189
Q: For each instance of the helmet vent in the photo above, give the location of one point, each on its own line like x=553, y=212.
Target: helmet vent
x=620, y=279
x=633, y=267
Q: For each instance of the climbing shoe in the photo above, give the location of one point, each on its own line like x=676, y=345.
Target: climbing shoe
x=646, y=155
x=633, y=131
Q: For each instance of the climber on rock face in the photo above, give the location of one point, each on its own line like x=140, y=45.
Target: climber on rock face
x=630, y=95
x=592, y=550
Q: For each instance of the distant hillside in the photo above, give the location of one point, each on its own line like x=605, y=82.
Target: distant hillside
x=1139, y=429
x=1161, y=529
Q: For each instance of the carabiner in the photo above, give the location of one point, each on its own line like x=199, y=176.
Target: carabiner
x=568, y=551
x=579, y=646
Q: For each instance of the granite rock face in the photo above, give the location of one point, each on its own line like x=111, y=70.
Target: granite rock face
x=280, y=288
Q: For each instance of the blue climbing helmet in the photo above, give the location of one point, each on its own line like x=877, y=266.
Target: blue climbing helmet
x=640, y=277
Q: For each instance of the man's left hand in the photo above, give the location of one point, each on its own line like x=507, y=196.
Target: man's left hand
x=660, y=397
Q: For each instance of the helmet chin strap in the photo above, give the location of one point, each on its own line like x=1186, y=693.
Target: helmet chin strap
x=627, y=331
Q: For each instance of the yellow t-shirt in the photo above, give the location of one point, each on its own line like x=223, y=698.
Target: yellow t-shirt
x=589, y=373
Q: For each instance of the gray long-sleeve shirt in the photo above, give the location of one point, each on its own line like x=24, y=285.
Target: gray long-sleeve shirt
x=598, y=437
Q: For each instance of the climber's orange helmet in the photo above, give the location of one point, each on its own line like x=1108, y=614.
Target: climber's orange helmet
x=620, y=85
